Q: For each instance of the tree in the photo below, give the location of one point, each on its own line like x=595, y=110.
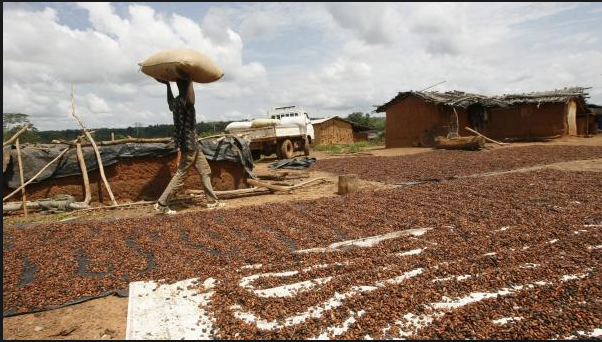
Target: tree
x=12, y=122
x=365, y=120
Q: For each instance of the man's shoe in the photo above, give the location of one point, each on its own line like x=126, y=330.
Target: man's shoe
x=216, y=204
x=163, y=209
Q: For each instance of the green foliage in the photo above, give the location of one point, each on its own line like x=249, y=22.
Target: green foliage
x=203, y=129
x=329, y=148
x=346, y=148
x=366, y=120
x=12, y=123
x=10, y=120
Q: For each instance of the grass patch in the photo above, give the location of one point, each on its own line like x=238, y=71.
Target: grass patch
x=329, y=148
x=351, y=148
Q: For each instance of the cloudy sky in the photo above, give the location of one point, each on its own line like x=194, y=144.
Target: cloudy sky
x=331, y=59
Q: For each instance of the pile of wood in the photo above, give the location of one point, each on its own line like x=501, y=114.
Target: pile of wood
x=470, y=143
x=266, y=184
x=460, y=143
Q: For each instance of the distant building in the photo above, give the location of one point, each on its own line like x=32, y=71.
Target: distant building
x=415, y=118
x=596, y=111
x=337, y=131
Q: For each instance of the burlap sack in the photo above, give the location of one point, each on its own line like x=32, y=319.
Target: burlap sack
x=171, y=65
x=260, y=123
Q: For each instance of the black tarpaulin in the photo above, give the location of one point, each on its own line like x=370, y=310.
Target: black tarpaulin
x=35, y=157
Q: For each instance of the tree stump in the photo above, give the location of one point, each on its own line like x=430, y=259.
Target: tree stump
x=348, y=184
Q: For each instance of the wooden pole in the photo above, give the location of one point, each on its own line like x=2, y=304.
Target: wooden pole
x=14, y=137
x=36, y=175
x=118, y=141
x=23, y=197
x=488, y=139
x=178, y=157
x=257, y=183
x=453, y=132
x=98, y=158
x=234, y=193
x=84, y=169
x=112, y=136
x=113, y=206
x=348, y=184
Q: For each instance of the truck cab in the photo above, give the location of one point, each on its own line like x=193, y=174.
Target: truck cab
x=293, y=115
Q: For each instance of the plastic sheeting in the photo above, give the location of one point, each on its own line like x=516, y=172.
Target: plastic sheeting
x=229, y=148
x=293, y=164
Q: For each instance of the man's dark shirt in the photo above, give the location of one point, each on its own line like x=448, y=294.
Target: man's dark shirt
x=184, y=119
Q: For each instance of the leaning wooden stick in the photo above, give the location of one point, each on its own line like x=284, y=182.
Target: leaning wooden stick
x=36, y=175
x=23, y=197
x=98, y=158
x=84, y=169
x=14, y=137
x=234, y=193
x=488, y=139
x=257, y=183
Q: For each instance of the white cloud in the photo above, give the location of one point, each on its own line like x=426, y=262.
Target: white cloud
x=259, y=25
x=330, y=58
x=373, y=22
x=102, y=63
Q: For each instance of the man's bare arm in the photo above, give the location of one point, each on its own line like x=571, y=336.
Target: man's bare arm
x=170, y=97
x=190, y=93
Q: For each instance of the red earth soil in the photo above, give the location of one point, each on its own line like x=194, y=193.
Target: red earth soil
x=135, y=179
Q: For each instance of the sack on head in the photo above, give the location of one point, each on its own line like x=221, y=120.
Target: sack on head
x=172, y=65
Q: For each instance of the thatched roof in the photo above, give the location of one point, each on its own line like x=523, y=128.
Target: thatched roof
x=355, y=126
x=595, y=109
x=463, y=100
x=553, y=96
x=450, y=98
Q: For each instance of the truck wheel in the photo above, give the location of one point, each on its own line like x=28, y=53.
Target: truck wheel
x=286, y=149
x=306, y=147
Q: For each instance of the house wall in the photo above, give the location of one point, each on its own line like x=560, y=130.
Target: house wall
x=582, y=125
x=360, y=136
x=408, y=120
x=527, y=121
x=333, y=132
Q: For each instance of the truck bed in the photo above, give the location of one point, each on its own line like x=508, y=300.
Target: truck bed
x=268, y=133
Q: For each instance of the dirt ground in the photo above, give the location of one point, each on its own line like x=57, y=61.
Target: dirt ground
x=106, y=318
x=103, y=318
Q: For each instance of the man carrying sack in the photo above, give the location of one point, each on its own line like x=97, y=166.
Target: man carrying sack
x=184, y=117
x=184, y=66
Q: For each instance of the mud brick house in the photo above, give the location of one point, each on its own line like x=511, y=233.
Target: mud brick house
x=415, y=118
x=336, y=131
x=541, y=114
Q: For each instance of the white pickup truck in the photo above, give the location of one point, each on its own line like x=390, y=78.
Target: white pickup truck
x=287, y=130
